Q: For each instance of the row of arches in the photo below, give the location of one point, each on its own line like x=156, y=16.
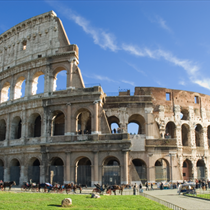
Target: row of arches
x=111, y=170
x=37, y=85
x=56, y=125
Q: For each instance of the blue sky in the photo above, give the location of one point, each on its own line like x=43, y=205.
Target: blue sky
x=123, y=44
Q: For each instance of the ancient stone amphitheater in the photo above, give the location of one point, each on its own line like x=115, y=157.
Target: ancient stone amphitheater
x=65, y=135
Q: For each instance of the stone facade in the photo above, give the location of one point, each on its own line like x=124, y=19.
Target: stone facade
x=65, y=136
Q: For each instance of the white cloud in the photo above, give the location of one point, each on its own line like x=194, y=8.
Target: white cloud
x=136, y=68
x=99, y=77
x=128, y=82
x=182, y=83
x=203, y=83
x=100, y=37
x=162, y=23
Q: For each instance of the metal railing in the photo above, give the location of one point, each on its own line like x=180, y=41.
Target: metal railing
x=165, y=203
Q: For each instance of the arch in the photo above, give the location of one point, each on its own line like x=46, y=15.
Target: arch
x=185, y=135
x=34, y=125
x=1, y=170
x=208, y=135
x=83, y=171
x=15, y=170
x=34, y=170
x=171, y=130
x=58, y=123
x=60, y=78
x=184, y=114
x=2, y=130
x=162, y=170
x=111, y=171
x=140, y=121
x=5, y=91
x=138, y=171
x=83, y=121
x=19, y=90
x=57, y=169
x=200, y=169
x=114, y=123
x=198, y=135
x=36, y=86
x=187, y=170
x=16, y=127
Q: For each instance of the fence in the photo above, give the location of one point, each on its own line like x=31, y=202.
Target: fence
x=165, y=203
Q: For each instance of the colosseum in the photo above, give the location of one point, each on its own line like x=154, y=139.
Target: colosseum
x=65, y=135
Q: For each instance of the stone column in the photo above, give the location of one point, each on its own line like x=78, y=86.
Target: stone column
x=42, y=174
x=12, y=89
x=73, y=62
x=8, y=128
x=179, y=135
x=72, y=173
x=67, y=169
x=194, y=169
x=6, y=175
x=68, y=120
x=150, y=169
x=28, y=86
x=125, y=167
x=192, y=136
x=149, y=128
x=204, y=142
x=95, y=119
x=48, y=81
x=95, y=168
x=23, y=176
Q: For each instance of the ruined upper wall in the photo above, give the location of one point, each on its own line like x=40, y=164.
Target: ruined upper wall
x=40, y=36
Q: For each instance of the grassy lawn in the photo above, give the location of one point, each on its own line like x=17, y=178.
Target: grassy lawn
x=28, y=201
x=206, y=196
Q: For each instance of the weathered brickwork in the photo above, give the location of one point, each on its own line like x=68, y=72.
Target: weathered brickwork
x=69, y=131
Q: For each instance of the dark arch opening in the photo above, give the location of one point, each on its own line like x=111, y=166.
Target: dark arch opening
x=111, y=171
x=184, y=114
x=2, y=130
x=200, y=169
x=198, y=135
x=16, y=128
x=185, y=135
x=187, y=170
x=34, y=170
x=171, y=130
x=58, y=124
x=1, y=170
x=83, y=121
x=15, y=171
x=162, y=170
x=57, y=169
x=83, y=172
x=138, y=171
x=140, y=121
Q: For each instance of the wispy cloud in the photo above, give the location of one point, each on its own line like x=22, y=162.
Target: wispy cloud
x=203, y=83
x=100, y=77
x=136, y=68
x=181, y=82
x=100, y=36
x=128, y=82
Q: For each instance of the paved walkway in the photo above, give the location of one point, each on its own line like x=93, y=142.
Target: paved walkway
x=185, y=202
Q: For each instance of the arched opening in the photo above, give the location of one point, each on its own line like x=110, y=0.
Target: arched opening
x=187, y=170
x=38, y=83
x=60, y=80
x=5, y=92
x=34, y=170
x=34, y=125
x=185, y=135
x=15, y=171
x=184, y=115
x=2, y=130
x=83, y=121
x=200, y=169
x=138, y=171
x=137, y=124
x=16, y=128
x=19, y=90
x=114, y=124
x=58, y=124
x=162, y=170
x=198, y=135
x=1, y=170
x=208, y=135
x=83, y=172
x=170, y=130
x=111, y=171
x=56, y=170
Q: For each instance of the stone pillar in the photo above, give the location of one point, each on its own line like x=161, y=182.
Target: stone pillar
x=179, y=135
x=95, y=119
x=68, y=120
x=73, y=62
x=6, y=175
x=67, y=169
x=192, y=136
x=42, y=174
x=150, y=169
x=28, y=86
x=48, y=81
x=125, y=167
x=24, y=124
x=204, y=142
x=12, y=89
x=72, y=173
x=8, y=128
x=194, y=169
x=149, y=128
x=95, y=169
x=23, y=176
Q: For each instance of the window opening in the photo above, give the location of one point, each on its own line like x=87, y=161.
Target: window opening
x=196, y=100
x=168, y=96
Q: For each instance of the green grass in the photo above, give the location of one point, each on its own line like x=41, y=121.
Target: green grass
x=29, y=201
x=206, y=196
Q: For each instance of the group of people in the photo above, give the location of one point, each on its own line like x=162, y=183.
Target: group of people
x=118, y=130
x=141, y=187
x=85, y=132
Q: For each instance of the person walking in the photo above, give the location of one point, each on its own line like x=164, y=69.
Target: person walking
x=146, y=185
x=152, y=186
x=134, y=189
